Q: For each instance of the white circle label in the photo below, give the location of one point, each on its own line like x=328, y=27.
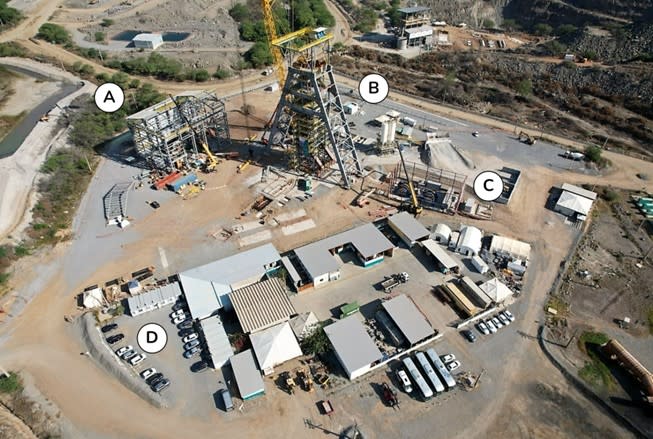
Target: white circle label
x=152, y=338
x=373, y=88
x=109, y=97
x=488, y=186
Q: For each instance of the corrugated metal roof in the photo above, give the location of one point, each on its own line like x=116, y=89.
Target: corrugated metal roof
x=247, y=374
x=153, y=297
x=574, y=202
x=290, y=268
x=474, y=290
x=217, y=341
x=579, y=191
x=262, y=305
x=408, y=318
x=439, y=253
x=354, y=346
x=409, y=226
x=413, y=10
x=317, y=260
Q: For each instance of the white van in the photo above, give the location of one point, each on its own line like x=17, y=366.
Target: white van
x=226, y=400
x=405, y=382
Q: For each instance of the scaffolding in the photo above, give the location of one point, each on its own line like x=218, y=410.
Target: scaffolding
x=165, y=138
x=310, y=121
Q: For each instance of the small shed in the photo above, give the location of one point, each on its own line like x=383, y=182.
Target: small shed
x=147, y=41
x=442, y=233
x=408, y=228
x=248, y=377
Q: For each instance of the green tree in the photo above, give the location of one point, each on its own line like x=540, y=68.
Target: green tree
x=106, y=22
x=87, y=70
x=11, y=49
x=488, y=23
x=565, y=29
x=524, y=87
x=120, y=79
x=134, y=83
x=221, y=73
x=8, y=16
x=240, y=13
x=99, y=36
x=259, y=55
x=510, y=25
x=316, y=342
x=54, y=34
x=542, y=29
x=593, y=153
x=198, y=75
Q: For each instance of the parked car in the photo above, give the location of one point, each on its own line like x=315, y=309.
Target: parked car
x=109, y=327
x=405, y=382
x=121, y=351
x=186, y=324
x=153, y=378
x=186, y=331
x=179, y=312
x=503, y=319
x=469, y=335
x=199, y=366
x=483, y=329
x=496, y=322
x=115, y=338
x=127, y=355
x=189, y=337
x=490, y=326
x=148, y=373
x=508, y=315
x=448, y=358
x=191, y=344
x=179, y=319
x=137, y=359
x=177, y=306
x=191, y=352
x=475, y=133
x=160, y=385
x=453, y=365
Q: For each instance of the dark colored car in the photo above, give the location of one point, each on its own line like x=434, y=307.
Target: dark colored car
x=160, y=385
x=186, y=324
x=155, y=204
x=469, y=335
x=177, y=306
x=199, y=366
x=154, y=378
x=109, y=327
x=115, y=338
x=186, y=331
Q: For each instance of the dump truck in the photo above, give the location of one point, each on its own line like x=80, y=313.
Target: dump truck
x=390, y=283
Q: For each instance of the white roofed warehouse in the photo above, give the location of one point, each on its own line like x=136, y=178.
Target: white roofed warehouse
x=575, y=202
x=147, y=41
x=274, y=346
x=470, y=241
x=354, y=348
x=408, y=228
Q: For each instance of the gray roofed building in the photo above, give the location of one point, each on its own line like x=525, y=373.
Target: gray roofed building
x=261, y=305
x=579, y=191
x=295, y=278
x=474, y=292
x=217, y=341
x=408, y=228
x=153, y=299
x=208, y=286
x=354, y=348
x=413, y=9
x=247, y=375
x=367, y=240
x=410, y=321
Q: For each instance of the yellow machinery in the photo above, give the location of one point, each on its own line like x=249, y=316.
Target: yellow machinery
x=271, y=29
x=211, y=162
x=414, y=208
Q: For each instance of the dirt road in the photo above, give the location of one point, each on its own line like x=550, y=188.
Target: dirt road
x=12, y=427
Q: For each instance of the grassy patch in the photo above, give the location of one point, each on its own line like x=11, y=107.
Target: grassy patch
x=591, y=338
x=558, y=304
x=595, y=372
x=11, y=383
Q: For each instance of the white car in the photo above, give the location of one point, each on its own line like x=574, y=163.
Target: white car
x=136, y=359
x=453, y=365
x=127, y=355
x=177, y=320
x=189, y=337
x=503, y=319
x=405, y=382
x=179, y=312
x=448, y=358
x=482, y=327
x=148, y=373
x=121, y=351
x=475, y=134
x=508, y=315
x=490, y=326
x=496, y=322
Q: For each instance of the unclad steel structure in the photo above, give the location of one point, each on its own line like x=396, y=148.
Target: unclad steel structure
x=408, y=228
x=410, y=321
x=247, y=375
x=354, y=348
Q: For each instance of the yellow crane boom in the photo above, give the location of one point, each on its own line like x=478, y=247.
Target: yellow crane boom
x=271, y=29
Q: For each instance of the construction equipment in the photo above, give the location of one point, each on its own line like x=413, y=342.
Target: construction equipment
x=526, y=138
x=211, y=164
x=414, y=207
x=305, y=379
x=271, y=30
x=390, y=283
x=242, y=166
x=290, y=383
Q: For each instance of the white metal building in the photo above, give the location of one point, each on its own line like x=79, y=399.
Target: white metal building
x=354, y=348
x=444, y=261
x=147, y=41
x=410, y=321
x=207, y=288
x=153, y=299
x=575, y=201
x=274, y=346
x=469, y=242
x=496, y=290
x=510, y=247
x=479, y=264
x=317, y=258
x=408, y=228
x=247, y=375
x=262, y=305
x=217, y=341
x=442, y=233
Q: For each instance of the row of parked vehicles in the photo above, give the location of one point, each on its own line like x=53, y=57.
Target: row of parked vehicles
x=423, y=374
x=190, y=338
x=496, y=322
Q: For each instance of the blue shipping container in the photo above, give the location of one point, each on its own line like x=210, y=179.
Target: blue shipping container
x=177, y=184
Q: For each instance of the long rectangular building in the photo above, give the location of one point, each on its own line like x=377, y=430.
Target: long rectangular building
x=444, y=262
x=459, y=298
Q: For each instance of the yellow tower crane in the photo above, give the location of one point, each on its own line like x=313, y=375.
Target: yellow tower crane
x=271, y=29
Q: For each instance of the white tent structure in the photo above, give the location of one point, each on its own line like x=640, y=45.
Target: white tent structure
x=274, y=346
x=442, y=233
x=469, y=243
x=94, y=298
x=496, y=290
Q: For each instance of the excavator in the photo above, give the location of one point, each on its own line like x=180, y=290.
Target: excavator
x=526, y=138
x=414, y=208
x=212, y=162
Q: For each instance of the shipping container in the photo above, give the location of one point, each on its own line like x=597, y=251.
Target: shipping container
x=180, y=182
